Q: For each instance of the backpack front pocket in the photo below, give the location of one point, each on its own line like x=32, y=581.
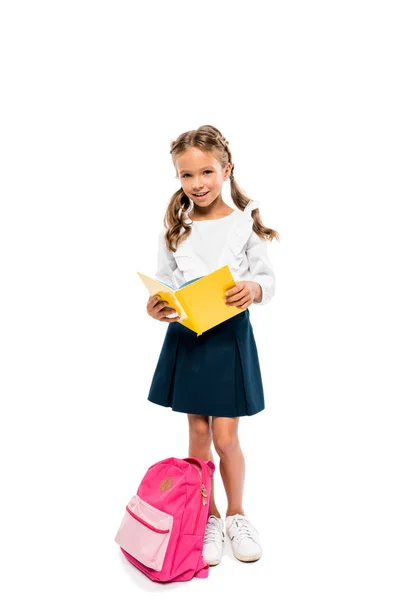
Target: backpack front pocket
x=145, y=532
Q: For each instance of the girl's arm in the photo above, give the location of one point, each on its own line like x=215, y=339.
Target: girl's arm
x=260, y=267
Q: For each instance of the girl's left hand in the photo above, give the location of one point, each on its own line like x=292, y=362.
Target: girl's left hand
x=243, y=294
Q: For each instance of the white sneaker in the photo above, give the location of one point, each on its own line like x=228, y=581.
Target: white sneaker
x=245, y=538
x=213, y=540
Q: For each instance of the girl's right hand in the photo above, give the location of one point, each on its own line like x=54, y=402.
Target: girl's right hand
x=159, y=309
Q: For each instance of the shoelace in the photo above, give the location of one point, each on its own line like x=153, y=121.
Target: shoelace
x=213, y=532
x=243, y=529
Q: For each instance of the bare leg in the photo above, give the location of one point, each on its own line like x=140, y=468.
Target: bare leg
x=232, y=463
x=200, y=438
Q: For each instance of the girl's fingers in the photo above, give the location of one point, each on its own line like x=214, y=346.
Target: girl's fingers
x=246, y=304
x=160, y=305
x=237, y=299
x=158, y=309
x=239, y=296
x=165, y=309
x=160, y=312
x=155, y=305
x=153, y=300
x=243, y=304
x=169, y=320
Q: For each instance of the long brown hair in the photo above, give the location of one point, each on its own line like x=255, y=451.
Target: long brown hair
x=208, y=139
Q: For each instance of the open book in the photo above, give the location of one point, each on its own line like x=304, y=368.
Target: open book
x=201, y=302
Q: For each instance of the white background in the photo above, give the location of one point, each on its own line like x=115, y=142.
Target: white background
x=307, y=93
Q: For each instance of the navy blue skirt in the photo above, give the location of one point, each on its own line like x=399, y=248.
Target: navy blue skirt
x=215, y=374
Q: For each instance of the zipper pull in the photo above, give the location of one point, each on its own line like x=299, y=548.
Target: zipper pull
x=204, y=493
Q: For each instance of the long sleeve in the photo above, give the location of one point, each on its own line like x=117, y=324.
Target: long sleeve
x=166, y=263
x=260, y=267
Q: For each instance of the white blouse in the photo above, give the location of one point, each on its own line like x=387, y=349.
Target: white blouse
x=214, y=243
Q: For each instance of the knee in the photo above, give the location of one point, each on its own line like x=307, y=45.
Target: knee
x=226, y=444
x=200, y=432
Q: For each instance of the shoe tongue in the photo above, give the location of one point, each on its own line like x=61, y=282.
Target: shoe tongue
x=241, y=520
x=214, y=518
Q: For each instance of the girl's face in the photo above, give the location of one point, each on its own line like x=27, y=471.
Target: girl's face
x=201, y=175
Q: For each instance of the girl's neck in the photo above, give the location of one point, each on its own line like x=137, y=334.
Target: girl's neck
x=215, y=210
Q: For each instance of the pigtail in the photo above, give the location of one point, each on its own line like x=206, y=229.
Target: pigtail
x=176, y=220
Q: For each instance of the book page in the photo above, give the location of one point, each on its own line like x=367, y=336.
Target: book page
x=155, y=287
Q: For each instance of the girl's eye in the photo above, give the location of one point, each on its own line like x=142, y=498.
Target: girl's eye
x=188, y=174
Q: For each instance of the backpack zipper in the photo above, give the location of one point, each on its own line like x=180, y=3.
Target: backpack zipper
x=203, y=493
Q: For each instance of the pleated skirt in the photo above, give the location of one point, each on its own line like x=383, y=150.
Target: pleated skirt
x=215, y=374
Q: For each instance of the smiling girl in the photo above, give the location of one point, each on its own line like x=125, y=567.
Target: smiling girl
x=214, y=378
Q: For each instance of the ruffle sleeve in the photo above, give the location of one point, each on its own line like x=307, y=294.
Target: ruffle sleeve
x=167, y=269
x=243, y=243
x=260, y=267
x=235, y=250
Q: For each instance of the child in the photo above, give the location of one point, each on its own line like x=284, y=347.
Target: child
x=215, y=377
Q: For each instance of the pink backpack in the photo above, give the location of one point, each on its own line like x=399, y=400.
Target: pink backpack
x=162, y=531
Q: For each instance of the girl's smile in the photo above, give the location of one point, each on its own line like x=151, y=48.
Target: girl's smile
x=201, y=196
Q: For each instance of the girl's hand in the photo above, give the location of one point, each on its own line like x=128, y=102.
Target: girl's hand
x=159, y=309
x=243, y=294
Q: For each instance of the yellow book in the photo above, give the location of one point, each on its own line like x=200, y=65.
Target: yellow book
x=201, y=302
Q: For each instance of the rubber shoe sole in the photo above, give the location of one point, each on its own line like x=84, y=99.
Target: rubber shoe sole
x=213, y=563
x=253, y=558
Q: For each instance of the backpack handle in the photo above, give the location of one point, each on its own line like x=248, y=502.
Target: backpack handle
x=203, y=463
